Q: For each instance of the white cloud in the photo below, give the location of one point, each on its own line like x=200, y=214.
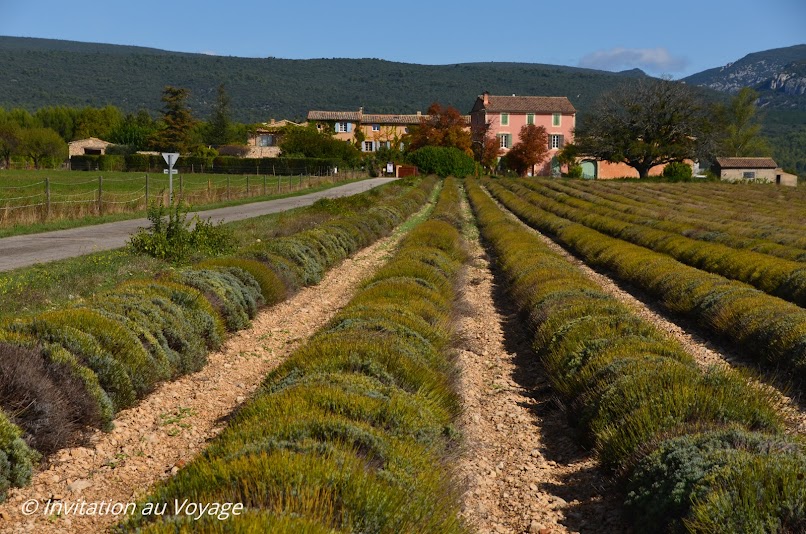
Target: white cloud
x=657, y=60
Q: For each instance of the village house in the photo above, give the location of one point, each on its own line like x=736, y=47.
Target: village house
x=372, y=130
x=506, y=115
x=264, y=142
x=753, y=169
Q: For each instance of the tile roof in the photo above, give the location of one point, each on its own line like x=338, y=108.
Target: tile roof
x=746, y=163
x=334, y=115
x=529, y=104
x=367, y=118
x=392, y=119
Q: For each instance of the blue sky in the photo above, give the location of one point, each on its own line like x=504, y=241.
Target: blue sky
x=676, y=38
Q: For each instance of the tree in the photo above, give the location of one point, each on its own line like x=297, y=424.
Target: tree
x=220, y=129
x=41, y=143
x=645, y=123
x=441, y=127
x=308, y=142
x=134, y=130
x=176, y=135
x=531, y=149
x=486, y=147
x=739, y=128
x=10, y=135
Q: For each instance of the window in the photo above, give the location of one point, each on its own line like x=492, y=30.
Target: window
x=749, y=175
x=266, y=140
x=406, y=129
x=504, y=140
x=556, y=119
x=341, y=127
x=505, y=119
x=376, y=127
x=530, y=118
x=368, y=146
x=555, y=141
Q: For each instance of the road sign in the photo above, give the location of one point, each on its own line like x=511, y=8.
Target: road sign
x=170, y=171
x=170, y=158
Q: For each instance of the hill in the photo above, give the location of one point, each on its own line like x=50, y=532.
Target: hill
x=778, y=74
x=43, y=72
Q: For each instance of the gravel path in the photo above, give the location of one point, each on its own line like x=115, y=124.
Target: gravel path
x=521, y=468
x=171, y=426
x=706, y=352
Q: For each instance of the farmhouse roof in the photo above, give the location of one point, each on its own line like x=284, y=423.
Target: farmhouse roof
x=524, y=104
x=334, y=115
x=366, y=118
x=392, y=119
x=90, y=141
x=746, y=163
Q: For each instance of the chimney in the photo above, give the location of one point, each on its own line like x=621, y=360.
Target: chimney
x=485, y=98
x=419, y=113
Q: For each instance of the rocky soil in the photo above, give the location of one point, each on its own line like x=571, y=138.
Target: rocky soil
x=522, y=469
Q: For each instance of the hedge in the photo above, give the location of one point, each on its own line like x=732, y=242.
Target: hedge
x=776, y=276
x=352, y=433
x=771, y=330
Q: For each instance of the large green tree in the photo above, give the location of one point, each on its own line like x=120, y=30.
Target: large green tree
x=644, y=123
x=308, y=142
x=42, y=143
x=176, y=135
x=10, y=137
x=739, y=129
x=220, y=130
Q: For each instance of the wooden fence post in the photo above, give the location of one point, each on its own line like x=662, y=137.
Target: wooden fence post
x=100, y=195
x=146, y=191
x=47, y=198
x=228, y=187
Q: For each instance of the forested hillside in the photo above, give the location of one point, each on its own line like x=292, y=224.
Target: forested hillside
x=39, y=72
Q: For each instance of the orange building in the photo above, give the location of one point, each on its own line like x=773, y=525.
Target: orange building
x=373, y=130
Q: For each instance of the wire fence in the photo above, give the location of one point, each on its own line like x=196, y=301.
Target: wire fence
x=49, y=200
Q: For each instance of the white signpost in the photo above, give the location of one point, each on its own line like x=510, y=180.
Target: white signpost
x=170, y=158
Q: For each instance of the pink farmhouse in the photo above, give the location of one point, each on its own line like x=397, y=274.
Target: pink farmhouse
x=506, y=115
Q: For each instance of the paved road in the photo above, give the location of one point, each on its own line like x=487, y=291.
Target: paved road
x=25, y=250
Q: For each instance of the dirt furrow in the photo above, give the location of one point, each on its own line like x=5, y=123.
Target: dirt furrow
x=172, y=425
x=706, y=352
x=521, y=468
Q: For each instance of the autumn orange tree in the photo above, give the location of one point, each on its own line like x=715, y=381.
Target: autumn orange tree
x=532, y=149
x=444, y=127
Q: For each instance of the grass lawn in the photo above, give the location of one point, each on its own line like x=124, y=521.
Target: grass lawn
x=74, y=195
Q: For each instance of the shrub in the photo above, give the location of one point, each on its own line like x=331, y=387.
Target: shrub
x=174, y=241
x=46, y=399
x=17, y=459
x=680, y=471
x=443, y=161
x=753, y=493
x=677, y=170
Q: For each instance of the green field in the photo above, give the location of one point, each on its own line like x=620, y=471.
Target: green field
x=32, y=201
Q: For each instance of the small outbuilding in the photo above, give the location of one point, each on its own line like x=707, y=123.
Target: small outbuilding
x=92, y=146
x=753, y=170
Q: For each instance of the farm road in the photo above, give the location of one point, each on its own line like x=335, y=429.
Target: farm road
x=25, y=250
